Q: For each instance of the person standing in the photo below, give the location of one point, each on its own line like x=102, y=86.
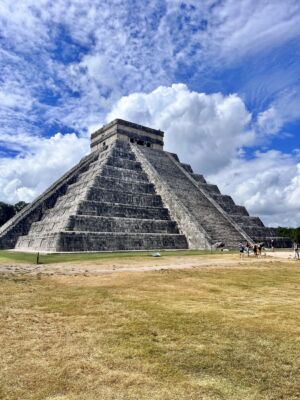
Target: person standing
x=259, y=249
x=247, y=248
x=296, y=250
x=241, y=249
x=255, y=249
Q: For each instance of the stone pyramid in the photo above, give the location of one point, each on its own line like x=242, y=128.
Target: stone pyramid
x=130, y=194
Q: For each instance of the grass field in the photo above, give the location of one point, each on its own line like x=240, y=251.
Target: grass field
x=210, y=333
x=31, y=258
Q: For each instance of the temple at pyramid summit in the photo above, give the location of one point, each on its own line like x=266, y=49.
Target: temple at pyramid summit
x=131, y=194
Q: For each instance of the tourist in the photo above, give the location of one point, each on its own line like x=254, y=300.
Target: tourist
x=241, y=249
x=272, y=245
x=247, y=248
x=255, y=249
x=259, y=249
x=296, y=250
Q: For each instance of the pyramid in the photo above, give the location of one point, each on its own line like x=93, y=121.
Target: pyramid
x=130, y=194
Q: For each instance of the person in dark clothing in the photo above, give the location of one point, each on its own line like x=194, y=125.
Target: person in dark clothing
x=255, y=249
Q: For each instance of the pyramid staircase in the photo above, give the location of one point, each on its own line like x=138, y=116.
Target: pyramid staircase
x=112, y=205
x=252, y=228
x=206, y=215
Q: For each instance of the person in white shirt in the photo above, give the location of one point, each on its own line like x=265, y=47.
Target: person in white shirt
x=296, y=250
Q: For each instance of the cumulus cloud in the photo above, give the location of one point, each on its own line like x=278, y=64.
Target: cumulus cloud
x=269, y=122
x=209, y=129
x=268, y=185
x=45, y=160
x=212, y=132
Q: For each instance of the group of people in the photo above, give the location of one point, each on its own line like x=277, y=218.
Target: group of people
x=257, y=249
x=245, y=248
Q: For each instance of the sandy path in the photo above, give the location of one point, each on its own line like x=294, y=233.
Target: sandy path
x=139, y=264
x=286, y=255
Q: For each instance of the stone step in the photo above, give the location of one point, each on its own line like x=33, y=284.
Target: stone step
x=228, y=205
x=47, y=242
x=106, y=241
x=50, y=224
x=121, y=210
x=241, y=210
x=120, y=152
x=255, y=231
x=90, y=241
x=102, y=224
x=248, y=221
x=124, y=163
x=77, y=186
x=124, y=174
x=125, y=186
x=199, y=178
x=120, y=197
x=93, y=171
x=210, y=188
x=117, y=224
x=187, y=167
x=70, y=198
x=61, y=211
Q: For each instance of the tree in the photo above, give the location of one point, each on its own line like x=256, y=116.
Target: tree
x=297, y=235
x=20, y=205
x=292, y=233
x=7, y=211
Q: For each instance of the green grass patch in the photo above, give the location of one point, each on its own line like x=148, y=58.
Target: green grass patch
x=31, y=258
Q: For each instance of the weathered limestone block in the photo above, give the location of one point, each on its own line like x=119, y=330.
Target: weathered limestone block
x=124, y=186
x=90, y=241
x=119, y=224
x=121, y=210
x=115, y=196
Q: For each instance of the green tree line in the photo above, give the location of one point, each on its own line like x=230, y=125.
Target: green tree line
x=292, y=233
x=7, y=211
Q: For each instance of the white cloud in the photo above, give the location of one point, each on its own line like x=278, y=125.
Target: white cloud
x=209, y=130
x=268, y=185
x=269, y=122
x=244, y=29
x=28, y=175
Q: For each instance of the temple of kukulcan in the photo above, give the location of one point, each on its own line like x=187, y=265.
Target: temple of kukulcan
x=131, y=194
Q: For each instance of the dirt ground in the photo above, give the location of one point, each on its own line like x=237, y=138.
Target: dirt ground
x=140, y=264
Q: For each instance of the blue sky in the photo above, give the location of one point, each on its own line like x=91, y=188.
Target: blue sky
x=221, y=78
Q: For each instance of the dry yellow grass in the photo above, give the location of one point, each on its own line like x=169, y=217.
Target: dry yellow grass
x=218, y=333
